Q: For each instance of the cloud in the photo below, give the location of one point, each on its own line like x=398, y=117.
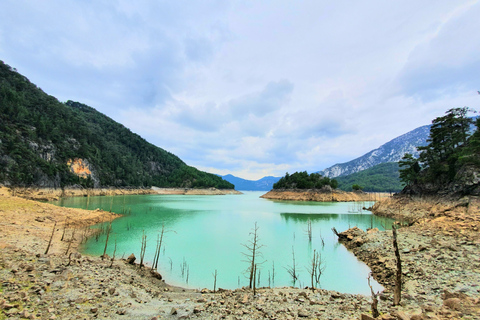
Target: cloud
x=448, y=61
x=257, y=88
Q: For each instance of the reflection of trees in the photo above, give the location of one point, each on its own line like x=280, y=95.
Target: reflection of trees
x=362, y=221
x=303, y=217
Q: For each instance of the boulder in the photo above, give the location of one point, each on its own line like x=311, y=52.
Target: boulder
x=131, y=259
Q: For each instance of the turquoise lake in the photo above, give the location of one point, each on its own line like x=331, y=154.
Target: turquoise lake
x=206, y=233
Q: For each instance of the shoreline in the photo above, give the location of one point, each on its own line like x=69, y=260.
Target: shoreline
x=322, y=196
x=51, y=194
x=83, y=285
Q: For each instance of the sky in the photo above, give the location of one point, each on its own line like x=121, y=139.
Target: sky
x=253, y=88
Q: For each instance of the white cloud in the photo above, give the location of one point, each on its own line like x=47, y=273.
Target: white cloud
x=253, y=88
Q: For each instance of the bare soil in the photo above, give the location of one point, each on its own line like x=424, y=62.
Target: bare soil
x=440, y=254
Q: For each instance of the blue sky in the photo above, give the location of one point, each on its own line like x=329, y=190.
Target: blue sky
x=253, y=88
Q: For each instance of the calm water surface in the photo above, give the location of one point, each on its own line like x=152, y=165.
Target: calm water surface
x=206, y=233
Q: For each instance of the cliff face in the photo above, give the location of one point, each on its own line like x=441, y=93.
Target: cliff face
x=321, y=196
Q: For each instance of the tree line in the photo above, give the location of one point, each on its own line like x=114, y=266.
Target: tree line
x=303, y=180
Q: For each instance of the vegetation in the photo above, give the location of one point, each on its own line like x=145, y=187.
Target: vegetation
x=39, y=135
x=383, y=177
x=451, y=146
x=302, y=180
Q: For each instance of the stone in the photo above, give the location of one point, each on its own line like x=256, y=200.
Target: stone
x=173, y=311
x=131, y=259
x=400, y=315
x=366, y=317
x=452, y=303
x=303, y=314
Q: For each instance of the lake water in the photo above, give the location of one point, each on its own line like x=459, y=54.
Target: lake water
x=206, y=233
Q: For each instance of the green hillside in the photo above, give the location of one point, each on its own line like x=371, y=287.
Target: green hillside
x=40, y=137
x=383, y=177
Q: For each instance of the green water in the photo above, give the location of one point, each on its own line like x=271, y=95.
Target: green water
x=206, y=233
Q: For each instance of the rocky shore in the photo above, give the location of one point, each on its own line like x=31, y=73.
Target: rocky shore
x=322, y=195
x=440, y=255
x=50, y=194
x=189, y=191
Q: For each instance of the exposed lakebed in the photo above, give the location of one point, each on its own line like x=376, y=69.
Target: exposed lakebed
x=206, y=233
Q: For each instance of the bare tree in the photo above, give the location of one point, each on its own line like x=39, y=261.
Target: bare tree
x=109, y=229
x=51, y=237
x=292, y=270
x=143, y=248
x=253, y=255
x=70, y=241
x=158, y=248
x=114, y=251
x=215, y=280
x=397, y=294
x=375, y=312
x=316, y=269
x=65, y=225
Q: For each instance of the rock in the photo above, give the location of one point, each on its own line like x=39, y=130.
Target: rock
x=366, y=317
x=303, y=314
x=94, y=310
x=11, y=311
x=25, y=314
x=452, y=303
x=156, y=275
x=173, y=311
x=131, y=259
x=400, y=315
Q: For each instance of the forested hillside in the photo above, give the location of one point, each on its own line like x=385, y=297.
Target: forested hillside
x=383, y=177
x=44, y=142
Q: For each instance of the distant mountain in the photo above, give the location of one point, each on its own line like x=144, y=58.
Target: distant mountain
x=46, y=143
x=264, y=184
x=383, y=177
x=392, y=151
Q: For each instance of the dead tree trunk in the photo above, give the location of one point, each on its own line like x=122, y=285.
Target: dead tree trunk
x=375, y=312
x=397, y=294
x=109, y=228
x=253, y=255
x=51, y=237
x=143, y=248
x=215, y=281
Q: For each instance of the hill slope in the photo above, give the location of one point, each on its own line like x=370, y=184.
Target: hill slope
x=383, y=177
x=392, y=151
x=263, y=184
x=50, y=144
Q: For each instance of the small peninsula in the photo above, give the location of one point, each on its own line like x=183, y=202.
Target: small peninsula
x=300, y=186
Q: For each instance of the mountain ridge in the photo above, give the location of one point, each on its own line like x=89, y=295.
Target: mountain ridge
x=392, y=151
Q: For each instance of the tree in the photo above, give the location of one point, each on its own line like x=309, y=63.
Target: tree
x=356, y=187
x=410, y=168
x=253, y=254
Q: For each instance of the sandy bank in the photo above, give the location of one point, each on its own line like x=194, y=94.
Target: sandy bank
x=322, y=196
